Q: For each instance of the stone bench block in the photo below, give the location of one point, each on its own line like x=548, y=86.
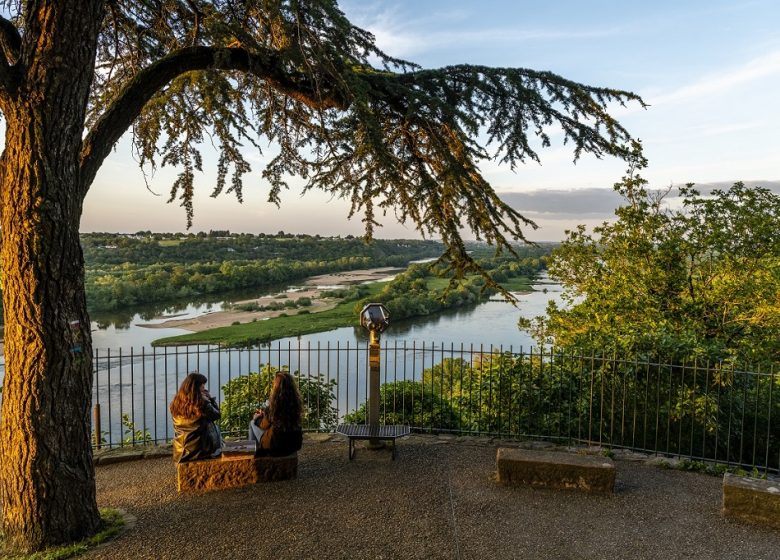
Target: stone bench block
x=558, y=470
x=752, y=499
x=233, y=472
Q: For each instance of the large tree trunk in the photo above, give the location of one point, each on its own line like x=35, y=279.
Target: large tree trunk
x=47, y=483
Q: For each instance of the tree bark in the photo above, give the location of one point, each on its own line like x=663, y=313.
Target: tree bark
x=47, y=486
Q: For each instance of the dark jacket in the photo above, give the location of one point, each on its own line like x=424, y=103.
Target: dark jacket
x=276, y=442
x=196, y=438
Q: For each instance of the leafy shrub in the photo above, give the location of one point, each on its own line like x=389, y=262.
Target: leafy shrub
x=410, y=402
x=131, y=434
x=244, y=394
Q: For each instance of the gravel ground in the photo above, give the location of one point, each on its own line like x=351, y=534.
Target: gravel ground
x=437, y=500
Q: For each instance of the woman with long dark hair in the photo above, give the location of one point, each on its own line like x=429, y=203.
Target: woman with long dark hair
x=277, y=429
x=194, y=411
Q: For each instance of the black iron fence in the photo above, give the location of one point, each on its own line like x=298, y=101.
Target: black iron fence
x=704, y=411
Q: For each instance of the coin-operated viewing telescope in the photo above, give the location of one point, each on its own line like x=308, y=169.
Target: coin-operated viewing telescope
x=375, y=318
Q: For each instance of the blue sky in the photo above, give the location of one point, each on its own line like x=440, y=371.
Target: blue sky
x=709, y=70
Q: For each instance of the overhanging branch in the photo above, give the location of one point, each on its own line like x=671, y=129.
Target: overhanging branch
x=128, y=105
x=10, y=41
x=10, y=45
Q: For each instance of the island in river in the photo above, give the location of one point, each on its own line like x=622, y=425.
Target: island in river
x=415, y=292
x=312, y=290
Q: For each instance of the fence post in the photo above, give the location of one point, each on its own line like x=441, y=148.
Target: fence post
x=97, y=426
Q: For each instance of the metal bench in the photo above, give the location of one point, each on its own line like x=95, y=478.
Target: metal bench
x=366, y=431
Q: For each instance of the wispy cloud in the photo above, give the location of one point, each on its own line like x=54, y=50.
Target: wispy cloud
x=403, y=37
x=755, y=69
x=406, y=43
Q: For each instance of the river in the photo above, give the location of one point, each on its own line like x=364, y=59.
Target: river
x=490, y=322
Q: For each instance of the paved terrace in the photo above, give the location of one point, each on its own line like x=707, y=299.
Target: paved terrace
x=437, y=500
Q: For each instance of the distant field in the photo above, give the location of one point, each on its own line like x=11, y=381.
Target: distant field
x=169, y=242
x=516, y=284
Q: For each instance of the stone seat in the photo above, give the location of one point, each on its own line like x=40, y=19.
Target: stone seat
x=752, y=499
x=233, y=471
x=557, y=470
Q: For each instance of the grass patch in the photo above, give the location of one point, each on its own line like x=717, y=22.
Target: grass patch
x=437, y=284
x=112, y=523
x=517, y=284
x=343, y=315
x=169, y=242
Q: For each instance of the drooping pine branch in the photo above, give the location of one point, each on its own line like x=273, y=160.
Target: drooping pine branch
x=268, y=66
x=378, y=132
x=412, y=143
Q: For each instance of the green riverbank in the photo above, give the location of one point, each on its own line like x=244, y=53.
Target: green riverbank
x=245, y=334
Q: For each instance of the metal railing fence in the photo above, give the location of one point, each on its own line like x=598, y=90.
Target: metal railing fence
x=702, y=411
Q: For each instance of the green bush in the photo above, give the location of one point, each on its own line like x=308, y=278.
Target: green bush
x=244, y=394
x=411, y=402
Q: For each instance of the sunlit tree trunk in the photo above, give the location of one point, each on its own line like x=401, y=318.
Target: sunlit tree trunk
x=46, y=474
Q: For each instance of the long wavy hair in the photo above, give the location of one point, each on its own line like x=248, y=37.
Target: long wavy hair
x=284, y=404
x=188, y=402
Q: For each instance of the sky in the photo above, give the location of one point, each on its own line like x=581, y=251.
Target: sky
x=709, y=70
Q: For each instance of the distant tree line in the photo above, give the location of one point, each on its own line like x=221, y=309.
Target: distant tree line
x=145, y=247
x=128, y=270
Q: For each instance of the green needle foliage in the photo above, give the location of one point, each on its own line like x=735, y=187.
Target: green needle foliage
x=382, y=133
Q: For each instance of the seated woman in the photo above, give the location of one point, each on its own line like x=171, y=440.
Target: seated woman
x=277, y=430
x=194, y=411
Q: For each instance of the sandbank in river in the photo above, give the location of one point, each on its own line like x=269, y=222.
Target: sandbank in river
x=313, y=289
